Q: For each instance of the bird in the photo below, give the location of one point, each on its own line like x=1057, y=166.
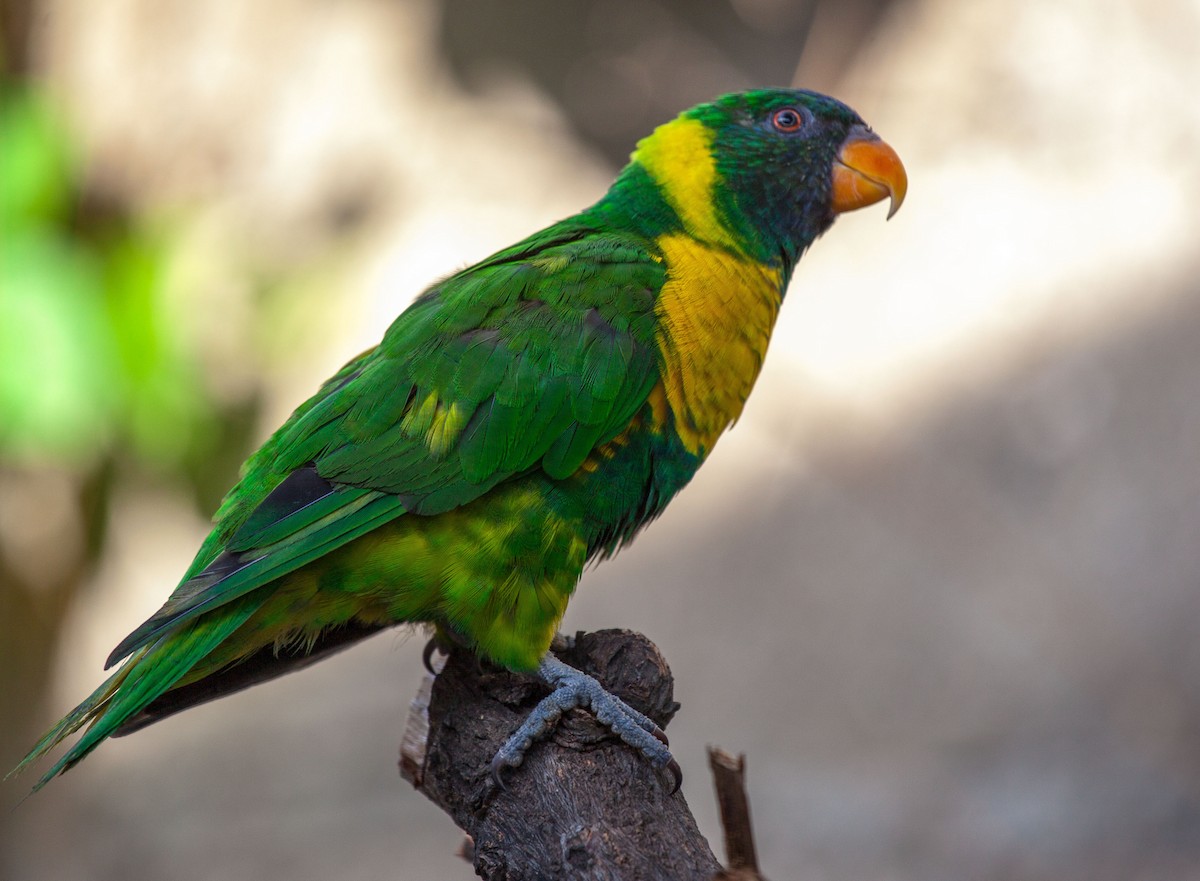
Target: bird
x=523, y=417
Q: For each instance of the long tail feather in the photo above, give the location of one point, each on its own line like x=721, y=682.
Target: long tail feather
x=265, y=664
x=78, y=717
x=141, y=679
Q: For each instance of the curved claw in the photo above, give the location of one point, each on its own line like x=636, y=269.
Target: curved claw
x=427, y=654
x=661, y=736
x=496, y=772
x=676, y=773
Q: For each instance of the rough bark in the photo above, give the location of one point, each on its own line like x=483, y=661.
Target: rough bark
x=583, y=805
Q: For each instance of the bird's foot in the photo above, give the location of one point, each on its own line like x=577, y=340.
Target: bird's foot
x=435, y=644
x=573, y=689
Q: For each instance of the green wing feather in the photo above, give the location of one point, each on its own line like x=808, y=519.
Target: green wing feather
x=533, y=358
x=530, y=359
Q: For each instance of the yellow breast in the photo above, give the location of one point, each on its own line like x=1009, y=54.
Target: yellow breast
x=715, y=315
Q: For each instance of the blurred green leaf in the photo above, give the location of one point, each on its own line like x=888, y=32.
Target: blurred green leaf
x=59, y=384
x=92, y=354
x=36, y=161
x=164, y=399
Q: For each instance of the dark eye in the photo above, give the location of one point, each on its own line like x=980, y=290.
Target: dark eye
x=787, y=121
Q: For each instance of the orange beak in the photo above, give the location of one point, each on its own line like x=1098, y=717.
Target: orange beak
x=867, y=171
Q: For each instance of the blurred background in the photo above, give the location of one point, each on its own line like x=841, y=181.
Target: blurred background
x=941, y=583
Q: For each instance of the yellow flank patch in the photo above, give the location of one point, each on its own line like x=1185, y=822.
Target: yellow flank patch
x=715, y=313
x=550, y=263
x=448, y=423
x=607, y=451
x=659, y=408
x=438, y=423
x=418, y=419
x=678, y=156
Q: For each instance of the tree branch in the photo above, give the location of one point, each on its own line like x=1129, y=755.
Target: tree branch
x=583, y=805
x=729, y=778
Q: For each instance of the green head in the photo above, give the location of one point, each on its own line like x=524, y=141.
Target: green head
x=762, y=172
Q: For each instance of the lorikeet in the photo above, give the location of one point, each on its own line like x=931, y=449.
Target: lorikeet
x=522, y=417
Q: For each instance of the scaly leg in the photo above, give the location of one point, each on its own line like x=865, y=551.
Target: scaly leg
x=573, y=689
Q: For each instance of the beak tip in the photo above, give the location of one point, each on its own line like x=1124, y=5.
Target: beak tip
x=897, y=186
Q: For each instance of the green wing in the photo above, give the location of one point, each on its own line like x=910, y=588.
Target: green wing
x=528, y=360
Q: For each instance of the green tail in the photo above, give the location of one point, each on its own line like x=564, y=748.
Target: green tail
x=145, y=676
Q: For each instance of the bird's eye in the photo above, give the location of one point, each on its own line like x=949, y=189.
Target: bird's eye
x=787, y=121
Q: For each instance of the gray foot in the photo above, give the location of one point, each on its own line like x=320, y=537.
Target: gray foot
x=573, y=689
